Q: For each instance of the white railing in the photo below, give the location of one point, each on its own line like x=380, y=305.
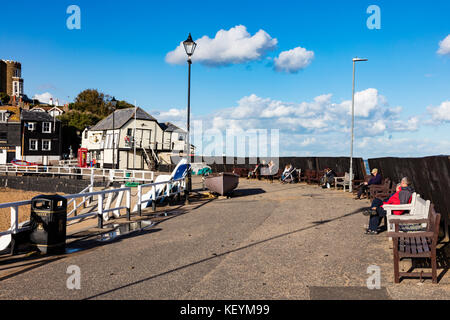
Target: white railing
x=100, y=211
x=181, y=185
x=112, y=174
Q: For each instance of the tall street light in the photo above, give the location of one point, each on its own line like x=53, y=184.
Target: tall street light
x=189, y=46
x=114, y=104
x=353, y=123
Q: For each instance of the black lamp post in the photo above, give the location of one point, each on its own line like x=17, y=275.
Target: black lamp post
x=114, y=104
x=189, y=46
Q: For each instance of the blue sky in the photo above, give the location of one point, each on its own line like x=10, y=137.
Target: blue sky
x=122, y=46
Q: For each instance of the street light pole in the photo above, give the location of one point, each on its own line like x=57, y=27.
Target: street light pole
x=114, y=103
x=189, y=46
x=353, y=124
x=188, y=140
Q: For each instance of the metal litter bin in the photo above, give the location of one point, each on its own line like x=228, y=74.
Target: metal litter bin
x=48, y=223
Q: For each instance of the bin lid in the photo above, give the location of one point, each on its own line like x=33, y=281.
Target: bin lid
x=52, y=197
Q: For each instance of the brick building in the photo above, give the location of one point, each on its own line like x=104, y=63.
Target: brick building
x=11, y=81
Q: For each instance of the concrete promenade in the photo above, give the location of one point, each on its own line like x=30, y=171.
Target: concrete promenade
x=271, y=241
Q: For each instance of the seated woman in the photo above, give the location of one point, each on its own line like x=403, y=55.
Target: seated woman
x=403, y=195
x=376, y=179
x=271, y=170
x=289, y=174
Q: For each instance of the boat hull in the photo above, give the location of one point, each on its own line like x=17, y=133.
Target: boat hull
x=222, y=183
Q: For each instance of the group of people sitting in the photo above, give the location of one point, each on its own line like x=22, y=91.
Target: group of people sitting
x=269, y=170
x=403, y=195
x=263, y=169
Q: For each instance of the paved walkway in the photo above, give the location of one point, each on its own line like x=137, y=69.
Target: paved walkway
x=272, y=241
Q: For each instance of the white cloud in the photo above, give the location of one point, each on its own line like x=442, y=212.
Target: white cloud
x=444, y=46
x=322, y=127
x=227, y=47
x=293, y=60
x=411, y=125
x=366, y=102
x=44, y=97
x=172, y=115
x=441, y=113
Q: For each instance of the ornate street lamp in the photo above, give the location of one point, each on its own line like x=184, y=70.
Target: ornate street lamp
x=189, y=46
x=114, y=104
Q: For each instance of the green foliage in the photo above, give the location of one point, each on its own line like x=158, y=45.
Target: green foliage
x=4, y=98
x=78, y=120
x=97, y=103
x=89, y=107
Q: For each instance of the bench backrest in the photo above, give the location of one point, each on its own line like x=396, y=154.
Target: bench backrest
x=347, y=177
x=435, y=220
x=421, y=207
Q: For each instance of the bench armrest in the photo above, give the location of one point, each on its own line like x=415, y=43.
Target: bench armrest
x=408, y=221
x=398, y=207
x=409, y=234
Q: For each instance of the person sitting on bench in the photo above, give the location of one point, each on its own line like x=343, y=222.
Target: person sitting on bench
x=328, y=178
x=376, y=179
x=403, y=195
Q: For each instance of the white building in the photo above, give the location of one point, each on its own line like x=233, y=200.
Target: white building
x=154, y=142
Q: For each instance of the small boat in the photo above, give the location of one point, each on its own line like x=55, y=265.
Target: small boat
x=222, y=183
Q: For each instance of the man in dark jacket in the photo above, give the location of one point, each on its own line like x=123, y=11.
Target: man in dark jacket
x=376, y=179
x=328, y=178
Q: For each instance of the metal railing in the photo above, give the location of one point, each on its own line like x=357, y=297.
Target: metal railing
x=179, y=183
x=111, y=174
x=100, y=210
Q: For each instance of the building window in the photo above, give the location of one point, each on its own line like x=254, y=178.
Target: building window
x=46, y=145
x=47, y=127
x=180, y=137
x=31, y=126
x=20, y=88
x=3, y=135
x=17, y=73
x=129, y=132
x=33, y=144
x=15, y=88
x=3, y=116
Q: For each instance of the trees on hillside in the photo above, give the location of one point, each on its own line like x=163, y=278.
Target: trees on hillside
x=88, y=108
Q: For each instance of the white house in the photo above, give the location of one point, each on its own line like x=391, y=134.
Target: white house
x=137, y=141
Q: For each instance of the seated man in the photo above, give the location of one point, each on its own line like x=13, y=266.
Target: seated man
x=376, y=179
x=328, y=178
x=403, y=195
x=254, y=173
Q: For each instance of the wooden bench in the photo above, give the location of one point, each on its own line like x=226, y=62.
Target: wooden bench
x=241, y=172
x=416, y=245
x=342, y=181
x=374, y=189
x=358, y=183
